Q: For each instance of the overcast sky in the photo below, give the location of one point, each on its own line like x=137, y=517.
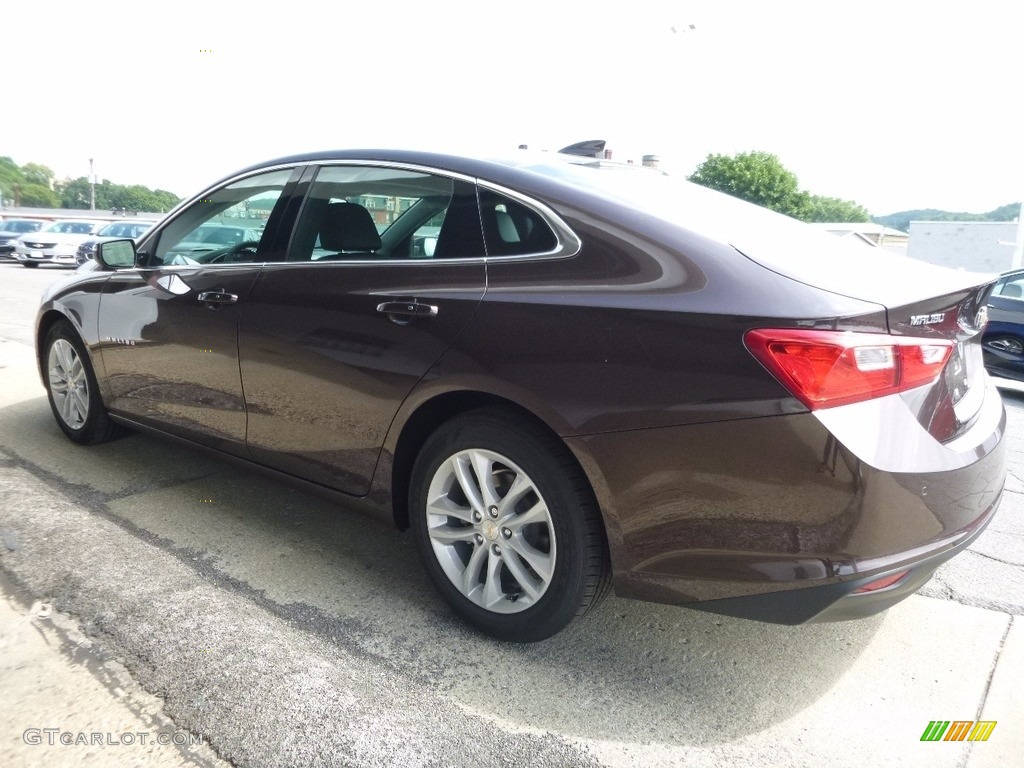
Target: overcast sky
x=897, y=104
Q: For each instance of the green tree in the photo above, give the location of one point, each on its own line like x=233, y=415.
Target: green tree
x=37, y=196
x=10, y=174
x=822, y=208
x=757, y=177
x=165, y=200
x=36, y=188
x=132, y=198
x=75, y=193
x=901, y=219
x=136, y=197
x=1008, y=212
x=34, y=173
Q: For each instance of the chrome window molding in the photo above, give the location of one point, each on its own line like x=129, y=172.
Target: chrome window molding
x=567, y=245
x=176, y=211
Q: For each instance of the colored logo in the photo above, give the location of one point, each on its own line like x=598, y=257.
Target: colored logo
x=958, y=730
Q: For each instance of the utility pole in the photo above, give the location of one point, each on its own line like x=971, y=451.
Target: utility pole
x=92, y=187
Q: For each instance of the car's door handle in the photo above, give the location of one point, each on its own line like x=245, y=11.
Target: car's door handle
x=407, y=308
x=217, y=297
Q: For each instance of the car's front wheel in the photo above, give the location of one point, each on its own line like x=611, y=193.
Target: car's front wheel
x=72, y=389
x=30, y=264
x=507, y=526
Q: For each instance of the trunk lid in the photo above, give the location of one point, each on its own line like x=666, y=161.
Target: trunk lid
x=922, y=301
x=950, y=405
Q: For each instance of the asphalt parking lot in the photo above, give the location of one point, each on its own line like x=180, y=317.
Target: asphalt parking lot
x=281, y=630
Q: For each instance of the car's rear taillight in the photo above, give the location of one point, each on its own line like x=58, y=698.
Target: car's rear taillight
x=823, y=369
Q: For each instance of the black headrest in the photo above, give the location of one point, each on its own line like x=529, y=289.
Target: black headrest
x=348, y=227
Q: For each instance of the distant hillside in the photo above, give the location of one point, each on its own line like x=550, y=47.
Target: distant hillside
x=902, y=219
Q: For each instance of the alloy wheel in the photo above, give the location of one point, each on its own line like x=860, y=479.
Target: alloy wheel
x=491, y=531
x=69, y=385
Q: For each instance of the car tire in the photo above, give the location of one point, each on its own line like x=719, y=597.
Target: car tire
x=1006, y=342
x=72, y=390
x=521, y=555
x=29, y=264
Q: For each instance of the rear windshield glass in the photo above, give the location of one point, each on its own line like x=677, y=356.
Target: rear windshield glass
x=696, y=208
x=780, y=243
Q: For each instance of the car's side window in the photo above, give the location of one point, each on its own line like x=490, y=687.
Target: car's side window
x=225, y=227
x=512, y=229
x=358, y=213
x=1011, y=288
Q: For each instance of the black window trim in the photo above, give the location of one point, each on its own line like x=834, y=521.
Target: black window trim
x=567, y=244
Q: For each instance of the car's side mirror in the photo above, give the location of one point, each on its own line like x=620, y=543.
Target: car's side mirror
x=116, y=254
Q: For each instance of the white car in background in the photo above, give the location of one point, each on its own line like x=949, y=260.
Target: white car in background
x=56, y=243
x=12, y=229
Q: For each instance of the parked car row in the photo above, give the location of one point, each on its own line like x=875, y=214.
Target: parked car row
x=68, y=242
x=55, y=243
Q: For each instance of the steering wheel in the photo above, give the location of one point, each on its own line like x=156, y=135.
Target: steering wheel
x=234, y=253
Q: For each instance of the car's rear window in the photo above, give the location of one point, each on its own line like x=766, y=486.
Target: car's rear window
x=780, y=243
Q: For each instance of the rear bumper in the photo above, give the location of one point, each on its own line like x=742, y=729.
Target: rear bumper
x=776, y=519
x=841, y=601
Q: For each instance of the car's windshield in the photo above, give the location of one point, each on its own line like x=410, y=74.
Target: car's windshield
x=20, y=226
x=71, y=227
x=123, y=229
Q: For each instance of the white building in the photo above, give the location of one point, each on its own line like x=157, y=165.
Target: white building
x=977, y=246
x=870, y=234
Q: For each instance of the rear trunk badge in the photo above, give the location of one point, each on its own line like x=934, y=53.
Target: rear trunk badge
x=938, y=317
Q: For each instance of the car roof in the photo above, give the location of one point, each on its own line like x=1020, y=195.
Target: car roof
x=500, y=167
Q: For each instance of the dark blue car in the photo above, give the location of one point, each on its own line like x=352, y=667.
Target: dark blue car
x=1003, y=343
